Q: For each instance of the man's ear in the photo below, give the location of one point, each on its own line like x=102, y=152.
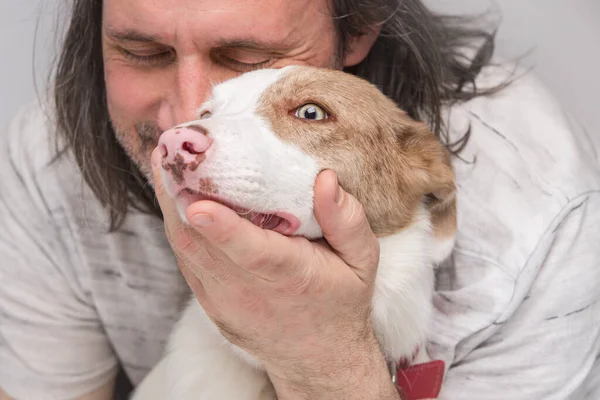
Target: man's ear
x=360, y=45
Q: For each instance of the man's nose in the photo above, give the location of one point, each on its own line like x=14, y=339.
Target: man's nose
x=191, y=88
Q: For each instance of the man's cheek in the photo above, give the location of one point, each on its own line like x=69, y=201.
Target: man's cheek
x=131, y=94
x=130, y=106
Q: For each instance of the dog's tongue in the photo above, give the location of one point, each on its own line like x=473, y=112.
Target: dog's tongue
x=280, y=224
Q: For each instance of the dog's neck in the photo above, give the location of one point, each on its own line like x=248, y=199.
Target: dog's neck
x=404, y=288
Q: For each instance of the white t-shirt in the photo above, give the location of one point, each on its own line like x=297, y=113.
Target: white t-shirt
x=517, y=305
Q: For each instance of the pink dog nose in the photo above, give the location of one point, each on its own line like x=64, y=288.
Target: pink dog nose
x=188, y=141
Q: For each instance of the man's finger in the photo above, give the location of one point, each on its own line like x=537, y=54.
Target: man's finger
x=179, y=235
x=166, y=202
x=345, y=225
x=260, y=252
x=186, y=242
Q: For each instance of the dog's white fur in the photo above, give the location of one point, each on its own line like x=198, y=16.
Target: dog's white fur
x=199, y=363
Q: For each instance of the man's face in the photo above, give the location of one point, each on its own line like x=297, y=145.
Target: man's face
x=162, y=56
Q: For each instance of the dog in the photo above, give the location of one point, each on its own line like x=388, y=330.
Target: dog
x=257, y=147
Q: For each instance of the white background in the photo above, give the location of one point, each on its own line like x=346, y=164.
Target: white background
x=564, y=34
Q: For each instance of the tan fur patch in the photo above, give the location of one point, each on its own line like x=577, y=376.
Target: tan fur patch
x=199, y=160
x=207, y=186
x=176, y=168
x=388, y=161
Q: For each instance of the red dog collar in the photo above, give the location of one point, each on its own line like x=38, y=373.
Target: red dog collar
x=420, y=381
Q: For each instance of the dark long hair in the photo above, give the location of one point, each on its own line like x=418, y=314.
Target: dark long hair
x=417, y=60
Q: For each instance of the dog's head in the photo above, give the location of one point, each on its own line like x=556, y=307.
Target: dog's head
x=263, y=137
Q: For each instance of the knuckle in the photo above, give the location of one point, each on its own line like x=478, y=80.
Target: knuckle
x=183, y=240
x=301, y=281
x=298, y=284
x=231, y=334
x=221, y=239
x=261, y=259
x=186, y=246
x=368, y=252
x=372, y=252
x=215, y=263
x=180, y=259
x=213, y=256
x=357, y=218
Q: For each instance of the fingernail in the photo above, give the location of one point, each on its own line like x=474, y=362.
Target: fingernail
x=201, y=220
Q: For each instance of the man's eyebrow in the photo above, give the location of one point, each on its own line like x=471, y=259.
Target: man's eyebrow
x=254, y=45
x=130, y=35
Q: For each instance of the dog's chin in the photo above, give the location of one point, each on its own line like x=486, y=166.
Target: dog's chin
x=277, y=221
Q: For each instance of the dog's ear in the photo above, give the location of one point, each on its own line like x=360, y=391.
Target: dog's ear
x=428, y=160
x=431, y=173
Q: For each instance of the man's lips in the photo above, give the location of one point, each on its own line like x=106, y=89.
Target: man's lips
x=281, y=222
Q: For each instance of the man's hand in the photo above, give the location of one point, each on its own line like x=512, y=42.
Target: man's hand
x=302, y=308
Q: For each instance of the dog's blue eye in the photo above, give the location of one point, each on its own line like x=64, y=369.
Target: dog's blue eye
x=311, y=112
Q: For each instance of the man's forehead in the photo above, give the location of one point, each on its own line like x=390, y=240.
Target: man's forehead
x=256, y=24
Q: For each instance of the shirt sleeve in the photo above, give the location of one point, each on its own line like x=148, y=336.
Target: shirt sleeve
x=52, y=345
x=547, y=348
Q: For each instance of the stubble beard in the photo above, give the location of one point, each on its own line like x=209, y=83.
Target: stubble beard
x=138, y=144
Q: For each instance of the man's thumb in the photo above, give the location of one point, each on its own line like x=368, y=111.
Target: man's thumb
x=345, y=226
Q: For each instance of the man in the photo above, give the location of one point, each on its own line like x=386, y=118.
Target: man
x=89, y=280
